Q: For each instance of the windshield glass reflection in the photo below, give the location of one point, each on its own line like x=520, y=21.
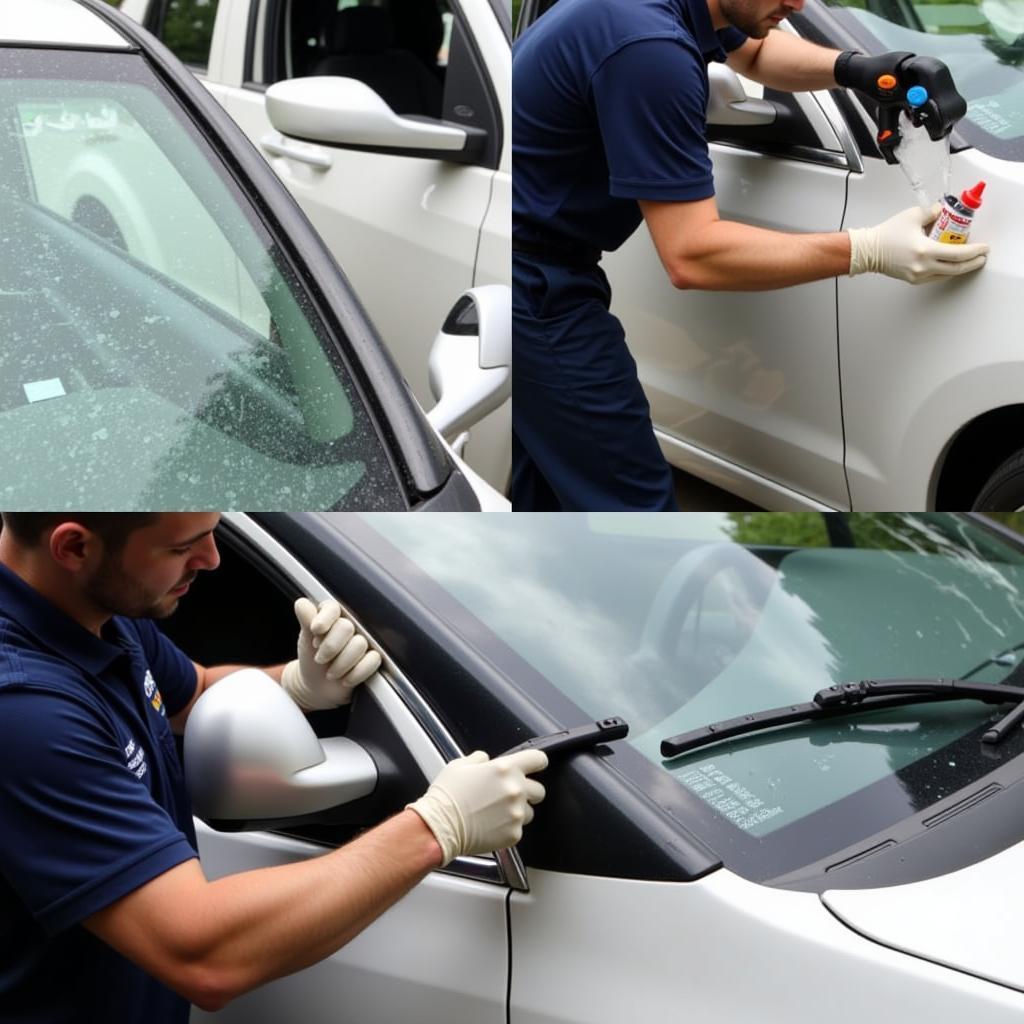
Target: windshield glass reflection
x=674, y=622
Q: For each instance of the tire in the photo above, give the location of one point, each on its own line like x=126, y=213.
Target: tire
x=1004, y=489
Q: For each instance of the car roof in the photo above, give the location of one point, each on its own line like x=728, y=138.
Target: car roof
x=56, y=23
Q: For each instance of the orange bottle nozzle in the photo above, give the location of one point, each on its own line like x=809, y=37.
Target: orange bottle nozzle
x=972, y=198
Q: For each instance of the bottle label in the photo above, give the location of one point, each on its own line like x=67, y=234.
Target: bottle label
x=950, y=227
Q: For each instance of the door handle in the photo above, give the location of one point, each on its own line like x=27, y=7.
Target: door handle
x=301, y=151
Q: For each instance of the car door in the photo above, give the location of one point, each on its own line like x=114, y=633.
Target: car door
x=750, y=378
x=745, y=386
x=440, y=954
x=429, y=227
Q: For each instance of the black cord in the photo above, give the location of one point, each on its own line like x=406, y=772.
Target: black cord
x=508, y=943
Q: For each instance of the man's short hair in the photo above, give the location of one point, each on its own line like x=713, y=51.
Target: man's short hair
x=113, y=527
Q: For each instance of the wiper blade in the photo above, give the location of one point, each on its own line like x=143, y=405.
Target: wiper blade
x=854, y=698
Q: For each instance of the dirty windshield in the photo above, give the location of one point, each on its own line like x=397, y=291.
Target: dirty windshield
x=675, y=622
x=156, y=351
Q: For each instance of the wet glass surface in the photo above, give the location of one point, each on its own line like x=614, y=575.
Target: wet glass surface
x=156, y=349
x=675, y=622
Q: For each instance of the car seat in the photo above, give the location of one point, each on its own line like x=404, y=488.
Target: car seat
x=419, y=28
x=362, y=44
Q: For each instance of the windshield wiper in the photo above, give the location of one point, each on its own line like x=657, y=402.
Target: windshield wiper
x=855, y=698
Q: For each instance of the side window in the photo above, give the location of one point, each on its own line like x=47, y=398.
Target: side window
x=186, y=28
x=791, y=131
x=397, y=47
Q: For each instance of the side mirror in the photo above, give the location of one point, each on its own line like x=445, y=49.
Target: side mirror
x=728, y=102
x=471, y=359
x=251, y=756
x=347, y=112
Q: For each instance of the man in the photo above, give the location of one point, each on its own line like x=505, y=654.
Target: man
x=105, y=914
x=609, y=100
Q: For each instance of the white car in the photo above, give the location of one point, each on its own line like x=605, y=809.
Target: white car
x=863, y=392
x=860, y=863
x=173, y=333
x=404, y=168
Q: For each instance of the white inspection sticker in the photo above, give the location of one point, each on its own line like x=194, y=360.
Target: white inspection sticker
x=743, y=808
x=39, y=390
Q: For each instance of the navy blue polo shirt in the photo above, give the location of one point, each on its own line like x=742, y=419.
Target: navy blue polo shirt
x=608, y=106
x=93, y=804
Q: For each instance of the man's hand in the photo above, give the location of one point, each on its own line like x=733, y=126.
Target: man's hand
x=476, y=805
x=333, y=659
x=899, y=248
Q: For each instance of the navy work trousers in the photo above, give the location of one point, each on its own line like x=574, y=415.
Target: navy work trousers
x=582, y=438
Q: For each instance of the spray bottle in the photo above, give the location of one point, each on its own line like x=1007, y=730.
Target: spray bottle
x=953, y=224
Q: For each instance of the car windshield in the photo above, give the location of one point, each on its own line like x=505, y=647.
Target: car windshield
x=675, y=622
x=982, y=42
x=156, y=348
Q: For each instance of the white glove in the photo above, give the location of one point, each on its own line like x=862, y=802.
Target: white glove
x=333, y=659
x=476, y=805
x=900, y=248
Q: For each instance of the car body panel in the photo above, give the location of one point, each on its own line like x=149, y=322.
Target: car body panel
x=54, y=23
x=731, y=374
x=967, y=919
x=921, y=363
x=719, y=949
x=397, y=969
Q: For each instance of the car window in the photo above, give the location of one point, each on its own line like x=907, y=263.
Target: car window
x=982, y=42
x=186, y=28
x=399, y=48
x=158, y=350
x=674, y=623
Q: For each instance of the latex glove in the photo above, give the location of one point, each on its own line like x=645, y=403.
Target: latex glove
x=333, y=659
x=900, y=248
x=476, y=805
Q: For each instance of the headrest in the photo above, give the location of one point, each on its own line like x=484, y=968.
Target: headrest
x=362, y=30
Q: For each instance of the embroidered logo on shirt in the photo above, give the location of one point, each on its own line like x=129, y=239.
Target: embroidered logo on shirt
x=153, y=694
x=135, y=756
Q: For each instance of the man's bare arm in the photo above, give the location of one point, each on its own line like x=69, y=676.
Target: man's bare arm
x=785, y=62
x=698, y=250
x=212, y=941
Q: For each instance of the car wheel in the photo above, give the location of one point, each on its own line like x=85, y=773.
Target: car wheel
x=1004, y=489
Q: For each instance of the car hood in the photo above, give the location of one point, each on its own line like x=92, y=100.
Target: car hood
x=968, y=920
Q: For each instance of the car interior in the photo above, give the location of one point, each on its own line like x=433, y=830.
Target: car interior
x=396, y=48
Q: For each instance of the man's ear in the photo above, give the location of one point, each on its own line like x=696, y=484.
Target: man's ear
x=73, y=547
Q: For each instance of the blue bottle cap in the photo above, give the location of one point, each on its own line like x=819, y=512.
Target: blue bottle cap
x=917, y=95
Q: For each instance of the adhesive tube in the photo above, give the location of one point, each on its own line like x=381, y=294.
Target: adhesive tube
x=953, y=224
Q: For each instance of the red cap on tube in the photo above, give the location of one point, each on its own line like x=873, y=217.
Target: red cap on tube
x=972, y=198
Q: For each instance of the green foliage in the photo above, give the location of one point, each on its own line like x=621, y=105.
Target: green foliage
x=789, y=529
x=1014, y=520
x=188, y=29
